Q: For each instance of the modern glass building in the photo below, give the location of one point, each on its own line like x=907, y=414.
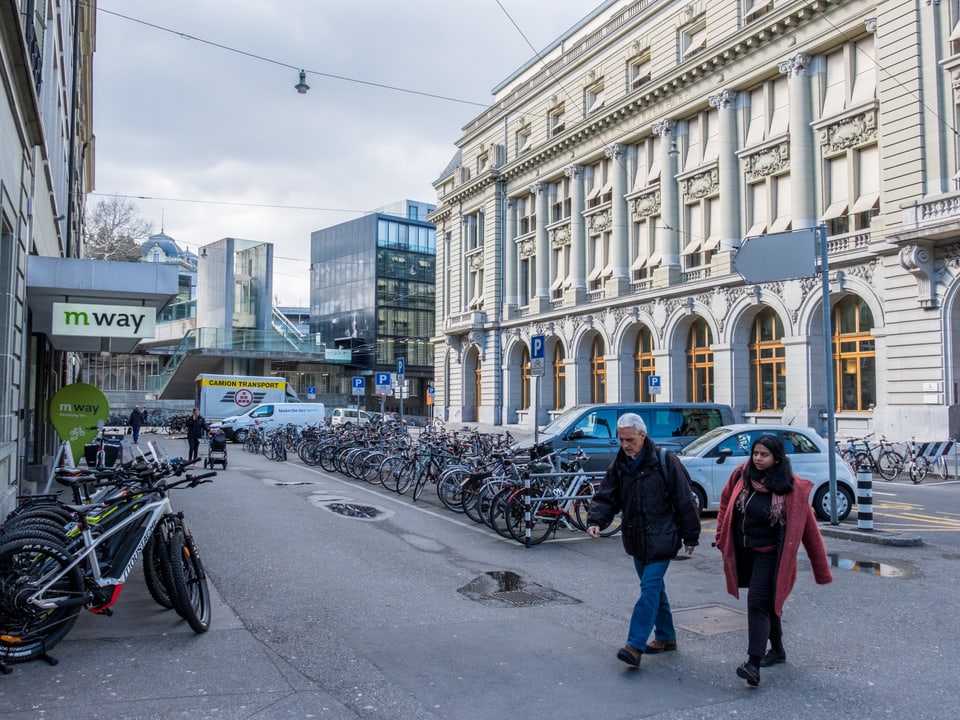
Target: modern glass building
x=372, y=295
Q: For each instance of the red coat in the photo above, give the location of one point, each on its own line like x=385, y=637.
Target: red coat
x=801, y=527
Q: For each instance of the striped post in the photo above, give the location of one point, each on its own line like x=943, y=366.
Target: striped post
x=864, y=499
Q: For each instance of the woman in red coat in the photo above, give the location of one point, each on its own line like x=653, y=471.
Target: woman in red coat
x=764, y=516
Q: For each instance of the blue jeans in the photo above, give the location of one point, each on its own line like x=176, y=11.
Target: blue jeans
x=652, y=611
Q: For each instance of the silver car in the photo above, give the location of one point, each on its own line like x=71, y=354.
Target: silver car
x=712, y=457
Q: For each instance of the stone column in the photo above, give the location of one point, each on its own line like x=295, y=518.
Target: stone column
x=728, y=165
x=619, y=282
x=540, y=303
x=511, y=301
x=668, y=272
x=576, y=294
x=803, y=201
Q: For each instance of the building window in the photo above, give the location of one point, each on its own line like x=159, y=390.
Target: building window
x=769, y=112
x=598, y=372
x=693, y=39
x=599, y=184
x=854, y=355
x=850, y=78
x=526, y=215
x=478, y=383
x=644, y=366
x=472, y=231
x=560, y=263
x=559, y=379
x=700, y=363
x=556, y=121
x=560, y=201
x=768, y=367
x=522, y=140
x=600, y=268
x=754, y=9
x=526, y=379
x=853, y=190
x=525, y=284
x=593, y=98
x=638, y=70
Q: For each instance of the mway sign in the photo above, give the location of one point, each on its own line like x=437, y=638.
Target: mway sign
x=104, y=320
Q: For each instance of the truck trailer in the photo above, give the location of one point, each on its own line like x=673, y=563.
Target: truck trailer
x=221, y=396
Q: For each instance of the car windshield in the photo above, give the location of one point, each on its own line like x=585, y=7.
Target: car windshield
x=560, y=423
x=703, y=441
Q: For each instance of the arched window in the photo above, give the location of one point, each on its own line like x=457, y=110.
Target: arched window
x=768, y=366
x=854, y=355
x=643, y=366
x=559, y=379
x=526, y=381
x=598, y=372
x=700, y=363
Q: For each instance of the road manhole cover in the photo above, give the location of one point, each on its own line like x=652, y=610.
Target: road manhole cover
x=504, y=588
x=710, y=619
x=355, y=510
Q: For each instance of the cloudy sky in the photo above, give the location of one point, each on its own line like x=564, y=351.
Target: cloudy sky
x=195, y=109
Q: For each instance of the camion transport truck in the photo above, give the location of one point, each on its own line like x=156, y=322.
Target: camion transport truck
x=222, y=396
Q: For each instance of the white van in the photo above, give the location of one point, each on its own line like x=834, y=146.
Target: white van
x=342, y=416
x=270, y=414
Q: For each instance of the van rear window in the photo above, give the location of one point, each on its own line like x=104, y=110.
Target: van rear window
x=683, y=422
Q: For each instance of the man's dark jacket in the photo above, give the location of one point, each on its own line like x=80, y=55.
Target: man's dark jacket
x=658, y=514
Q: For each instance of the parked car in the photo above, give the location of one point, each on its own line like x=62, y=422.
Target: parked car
x=348, y=416
x=593, y=428
x=712, y=457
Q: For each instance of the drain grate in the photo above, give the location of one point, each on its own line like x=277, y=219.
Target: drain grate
x=519, y=597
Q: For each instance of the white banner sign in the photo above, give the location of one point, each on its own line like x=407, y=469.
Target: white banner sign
x=104, y=320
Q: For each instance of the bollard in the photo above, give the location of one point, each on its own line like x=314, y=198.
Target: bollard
x=864, y=498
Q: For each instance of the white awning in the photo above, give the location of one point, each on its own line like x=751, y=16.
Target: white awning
x=865, y=202
x=835, y=210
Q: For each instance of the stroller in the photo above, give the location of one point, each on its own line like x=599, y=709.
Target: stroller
x=216, y=450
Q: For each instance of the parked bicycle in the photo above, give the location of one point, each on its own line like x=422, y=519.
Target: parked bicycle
x=879, y=457
x=56, y=559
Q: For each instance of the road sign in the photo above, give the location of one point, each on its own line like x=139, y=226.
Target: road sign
x=653, y=384
x=359, y=385
x=311, y=392
x=537, y=346
x=382, y=379
x=430, y=390
x=401, y=366
x=777, y=256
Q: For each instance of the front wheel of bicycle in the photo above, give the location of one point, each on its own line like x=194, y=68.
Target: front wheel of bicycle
x=543, y=519
x=28, y=631
x=889, y=464
x=918, y=469
x=191, y=595
x=156, y=570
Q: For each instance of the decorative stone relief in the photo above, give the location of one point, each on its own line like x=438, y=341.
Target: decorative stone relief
x=538, y=187
x=527, y=248
x=573, y=171
x=850, y=132
x=560, y=237
x=479, y=338
x=614, y=151
x=659, y=314
x=795, y=66
x=475, y=261
x=646, y=205
x=767, y=162
x=720, y=303
x=793, y=295
x=702, y=185
x=663, y=128
x=598, y=223
x=918, y=260
x=609, y=322
x=723, y=99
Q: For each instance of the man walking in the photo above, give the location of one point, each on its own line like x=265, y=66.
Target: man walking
x=136, y=422
x=651, y=490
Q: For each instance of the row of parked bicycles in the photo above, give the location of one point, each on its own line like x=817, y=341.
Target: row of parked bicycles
x=527, y=499
x=889, y=460
x=58, y=558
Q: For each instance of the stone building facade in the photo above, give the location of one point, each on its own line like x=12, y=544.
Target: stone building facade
x=601, y=199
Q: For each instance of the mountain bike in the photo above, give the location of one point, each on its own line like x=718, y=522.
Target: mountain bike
x=46, y=579
x=880, y=457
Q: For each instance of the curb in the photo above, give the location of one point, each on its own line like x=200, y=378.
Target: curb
x=877, y=537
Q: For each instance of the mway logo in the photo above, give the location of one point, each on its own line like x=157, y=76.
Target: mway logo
x=104, y=320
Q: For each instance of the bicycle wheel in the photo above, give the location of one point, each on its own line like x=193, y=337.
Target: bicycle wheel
x=581, y=509
x=423, y=477
x=497, y=516
x=156, y=570
x=939, y=468
x=27, y=631
x=543, y=519
x=450, y=489
x=889, y=464
x=406, y=476
x=191, y=596
x=918, y=469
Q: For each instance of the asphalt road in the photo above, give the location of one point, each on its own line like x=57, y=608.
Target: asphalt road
x=419, y=613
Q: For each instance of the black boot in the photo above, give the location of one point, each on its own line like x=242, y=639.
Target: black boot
x=773, y=657
x=749, y=672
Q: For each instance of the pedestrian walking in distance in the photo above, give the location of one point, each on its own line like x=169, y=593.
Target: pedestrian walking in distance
x=764, y=517
x=196, y=428
x=136, y=422
x=651, y=490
